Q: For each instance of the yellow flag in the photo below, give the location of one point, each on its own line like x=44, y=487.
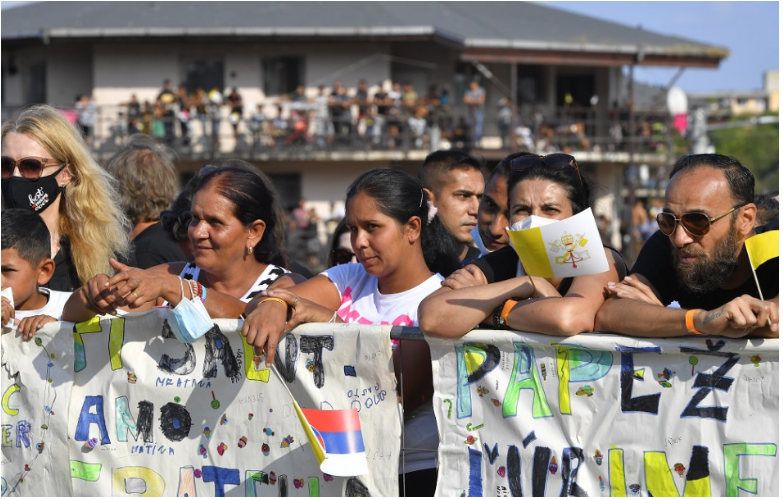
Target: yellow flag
x=763, y=247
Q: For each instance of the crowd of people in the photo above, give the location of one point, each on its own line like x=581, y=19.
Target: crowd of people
x=80, y=240
x=398, y=118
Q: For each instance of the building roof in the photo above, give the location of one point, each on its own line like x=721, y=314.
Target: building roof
x=470, y=25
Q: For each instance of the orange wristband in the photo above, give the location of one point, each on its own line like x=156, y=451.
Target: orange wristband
x=689, y=322
x=507, y=310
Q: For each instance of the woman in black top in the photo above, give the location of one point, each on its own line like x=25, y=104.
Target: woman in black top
x=486, y=291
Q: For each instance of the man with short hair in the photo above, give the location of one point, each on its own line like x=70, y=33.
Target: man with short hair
x=454, y=184
x=490, y=233
x=698, y=259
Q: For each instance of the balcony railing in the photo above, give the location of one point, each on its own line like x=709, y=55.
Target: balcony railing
x=300, y=131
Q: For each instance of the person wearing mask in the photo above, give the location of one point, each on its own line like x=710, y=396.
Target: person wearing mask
x=47, y=168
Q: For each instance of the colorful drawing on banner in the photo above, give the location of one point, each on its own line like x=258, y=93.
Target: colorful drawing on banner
x=756, y=360
x=132, y=378
x=639, y=374
x=693, y=360
x=207, y=433
x=482, y=391
x=470, y=440
x=543, y=371
x=448, y=401
x=553, y=466
x=242, y=442
x=269, y=432
x=666, y=374
x=502, y=472
x=585, y=390
x=635, y=488
x=601, y=483
x=680, y=469
x=599, y=458
x=265, y=449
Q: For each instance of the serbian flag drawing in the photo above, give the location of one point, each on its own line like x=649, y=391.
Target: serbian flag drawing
x=336, y=439
x=559, y=248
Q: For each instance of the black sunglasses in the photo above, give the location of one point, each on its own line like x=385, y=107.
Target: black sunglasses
x=556, y=161
x=30, y=167
x=697, y=224
x=176, y=224
x=342, y=255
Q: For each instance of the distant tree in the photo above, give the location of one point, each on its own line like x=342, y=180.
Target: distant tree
x=757, y=147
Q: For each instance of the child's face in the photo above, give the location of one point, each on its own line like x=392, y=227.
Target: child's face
x=20, y=275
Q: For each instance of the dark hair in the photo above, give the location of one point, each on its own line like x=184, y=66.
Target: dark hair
x=439, y=163
x=339, y=230
x=399, y=196
x=504, y=166
x=767, y=208
x=26, y=232
x=254, y=198
x=566, y=178
x=740, y=179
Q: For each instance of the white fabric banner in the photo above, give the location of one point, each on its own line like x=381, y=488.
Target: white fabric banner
x=149, y=415
x=523, y=414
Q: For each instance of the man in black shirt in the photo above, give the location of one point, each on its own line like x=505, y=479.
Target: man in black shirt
x=698, y=259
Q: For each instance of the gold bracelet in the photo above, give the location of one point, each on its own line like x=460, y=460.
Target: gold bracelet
x=275, y=299
x=689, y=322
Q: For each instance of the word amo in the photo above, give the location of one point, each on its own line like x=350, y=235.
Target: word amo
x=658, y=474
x=138, y=480
x=577, y=364
x=217, y=348
x=370, y=398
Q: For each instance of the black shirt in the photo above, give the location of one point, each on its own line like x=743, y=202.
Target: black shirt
x=154, y=246
x=65, y=277
x=656, y=264
x=501, y=265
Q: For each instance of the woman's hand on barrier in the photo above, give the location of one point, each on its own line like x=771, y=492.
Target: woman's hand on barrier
x=136, y=287
x=97, y=296
x=302, y=310
x=470, y=275
x=265, y=322
x=633, y=288
x=30, y=325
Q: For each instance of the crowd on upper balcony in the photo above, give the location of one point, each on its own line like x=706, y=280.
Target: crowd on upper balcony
x=398, y=117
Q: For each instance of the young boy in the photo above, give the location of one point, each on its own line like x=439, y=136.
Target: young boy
x=26, y=266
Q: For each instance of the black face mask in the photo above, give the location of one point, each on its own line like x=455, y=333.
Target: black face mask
x=31, y=194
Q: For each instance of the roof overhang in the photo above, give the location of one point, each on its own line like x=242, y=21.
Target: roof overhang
x=534, y=52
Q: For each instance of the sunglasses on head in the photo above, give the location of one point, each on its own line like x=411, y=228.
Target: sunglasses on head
x=342, y=255
x=176, y=224
x=30, y=167
x=696, y=224
x=557, y=161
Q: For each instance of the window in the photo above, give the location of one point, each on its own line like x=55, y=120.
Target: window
x=282, y=74
x=36, y=84
x=530, y=84
x=204, y=73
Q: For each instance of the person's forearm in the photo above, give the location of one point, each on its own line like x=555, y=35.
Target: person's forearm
x=637, y=318
x=449, y=313
x=76, y=309
x=566, y=316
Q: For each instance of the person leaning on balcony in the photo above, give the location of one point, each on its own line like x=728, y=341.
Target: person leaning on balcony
x=698, y=259
x=402, y=250
x=48, y=169
x=492, y=291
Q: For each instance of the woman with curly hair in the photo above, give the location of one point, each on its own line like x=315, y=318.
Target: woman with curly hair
x=47, y=168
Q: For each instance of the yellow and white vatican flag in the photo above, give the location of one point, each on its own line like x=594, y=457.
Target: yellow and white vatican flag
x=564, y=248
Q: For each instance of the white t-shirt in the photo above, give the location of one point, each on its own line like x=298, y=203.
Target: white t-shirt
x=53, y=307
x=362, y=303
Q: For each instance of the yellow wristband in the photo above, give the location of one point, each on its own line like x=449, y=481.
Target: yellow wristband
x=276, y=299
x=689, y=322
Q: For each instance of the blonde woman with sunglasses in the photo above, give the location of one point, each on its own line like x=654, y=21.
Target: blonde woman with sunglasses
x=494, y=292
x=47, y=168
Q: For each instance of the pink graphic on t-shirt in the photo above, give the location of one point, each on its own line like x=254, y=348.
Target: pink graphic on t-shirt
x=349, y=315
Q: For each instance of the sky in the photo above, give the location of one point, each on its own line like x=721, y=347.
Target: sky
x=750, y=30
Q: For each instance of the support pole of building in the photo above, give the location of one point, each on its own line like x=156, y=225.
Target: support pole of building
x=514, y=108
x=630, y=180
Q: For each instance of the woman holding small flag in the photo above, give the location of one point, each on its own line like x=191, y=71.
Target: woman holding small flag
x=497, y=291
x=403, y=251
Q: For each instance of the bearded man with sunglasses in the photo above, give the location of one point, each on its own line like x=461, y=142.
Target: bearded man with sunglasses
x=698, y=259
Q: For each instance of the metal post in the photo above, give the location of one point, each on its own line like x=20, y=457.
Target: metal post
x=514, y=107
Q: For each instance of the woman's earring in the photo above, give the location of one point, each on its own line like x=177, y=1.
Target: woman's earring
x=249, y=250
